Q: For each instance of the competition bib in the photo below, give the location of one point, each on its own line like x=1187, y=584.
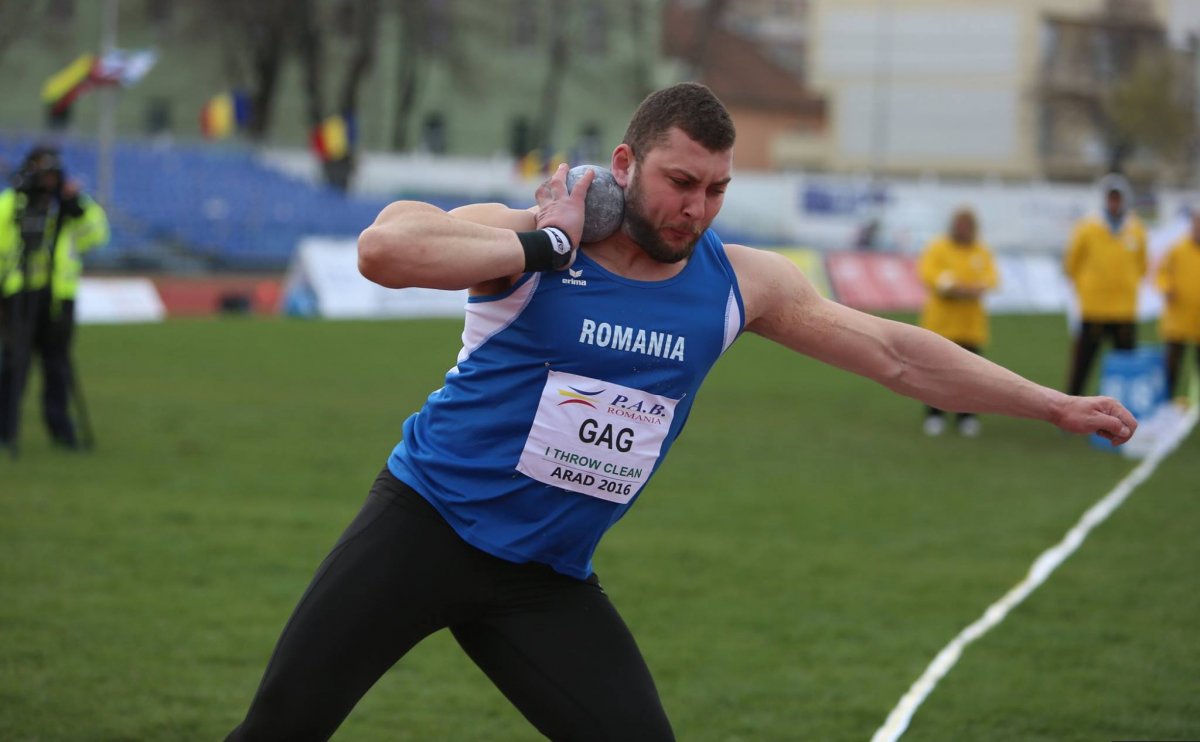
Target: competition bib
x=595, y=437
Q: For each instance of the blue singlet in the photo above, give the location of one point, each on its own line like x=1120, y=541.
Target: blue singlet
x=568, y=392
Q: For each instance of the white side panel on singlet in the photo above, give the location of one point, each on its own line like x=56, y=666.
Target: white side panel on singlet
x=486, y=318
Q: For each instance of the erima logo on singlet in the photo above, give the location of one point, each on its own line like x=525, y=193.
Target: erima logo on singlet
x=575, y=279
x=632, y=339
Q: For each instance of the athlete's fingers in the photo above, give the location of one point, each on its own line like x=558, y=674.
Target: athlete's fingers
x=553, y=188
x=558, y=181
x=579, y=194
x=1113, y=421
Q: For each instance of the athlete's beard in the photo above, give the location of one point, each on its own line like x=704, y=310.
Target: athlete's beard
x=642, y=231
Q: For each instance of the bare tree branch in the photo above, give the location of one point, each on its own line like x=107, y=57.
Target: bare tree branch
x=366, y=42
x=412, y=63
x=560, y=56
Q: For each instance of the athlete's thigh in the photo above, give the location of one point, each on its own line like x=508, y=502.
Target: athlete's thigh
x=395, y=576
x=377, y=586
x=568, y=662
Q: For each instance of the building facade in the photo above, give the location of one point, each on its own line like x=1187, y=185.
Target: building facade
x=965, y=87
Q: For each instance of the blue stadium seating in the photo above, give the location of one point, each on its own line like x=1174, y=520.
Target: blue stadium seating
x=215, y=206
x=212, y=206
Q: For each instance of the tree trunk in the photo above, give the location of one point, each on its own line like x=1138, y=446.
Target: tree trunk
x=640, y=78
x=560, y=54
x=366, y=37
x=307, y=37
x=411, y=67
x=265, y=66
x=340, y=171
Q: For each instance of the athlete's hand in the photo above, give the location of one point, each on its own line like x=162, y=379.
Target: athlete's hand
x=557, y=208
x=1101, y=415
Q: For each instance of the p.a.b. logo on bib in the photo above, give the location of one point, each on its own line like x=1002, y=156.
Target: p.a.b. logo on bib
x=595, y=437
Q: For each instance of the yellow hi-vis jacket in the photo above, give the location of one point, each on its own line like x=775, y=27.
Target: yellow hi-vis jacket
x=1179, y=279
x=1106, y=268
x=947, y=265
x=76, y=235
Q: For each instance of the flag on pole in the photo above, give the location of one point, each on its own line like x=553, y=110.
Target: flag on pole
x=334, y=138
x=124, y=67
x=225, y=113
x=116, y=67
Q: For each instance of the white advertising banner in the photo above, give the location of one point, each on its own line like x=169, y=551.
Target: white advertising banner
x=1029, y=284
x=324, y=281
x=118, y=300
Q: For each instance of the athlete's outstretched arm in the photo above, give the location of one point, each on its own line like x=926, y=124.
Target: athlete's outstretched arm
x=783, y=306
x=416, y=244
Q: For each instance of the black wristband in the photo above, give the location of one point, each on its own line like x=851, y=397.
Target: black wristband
x=546, y=249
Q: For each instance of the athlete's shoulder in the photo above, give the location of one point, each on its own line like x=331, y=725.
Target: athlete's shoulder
x=748, y=258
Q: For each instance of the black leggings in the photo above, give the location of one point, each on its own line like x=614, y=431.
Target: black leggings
x=554, y=645
x=1087, y=342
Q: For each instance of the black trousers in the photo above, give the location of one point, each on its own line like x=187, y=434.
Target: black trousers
x=1087, y=343
x=554, y=645
x=1175, y=362
x=32, y=326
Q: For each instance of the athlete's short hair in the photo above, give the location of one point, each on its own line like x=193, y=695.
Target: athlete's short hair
x=690, y=106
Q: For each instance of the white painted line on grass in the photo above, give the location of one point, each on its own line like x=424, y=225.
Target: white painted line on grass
x=899, y=718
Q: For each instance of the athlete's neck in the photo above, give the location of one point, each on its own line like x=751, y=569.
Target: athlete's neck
x=621, y=255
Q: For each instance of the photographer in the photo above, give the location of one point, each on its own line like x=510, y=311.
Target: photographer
x=46, y=224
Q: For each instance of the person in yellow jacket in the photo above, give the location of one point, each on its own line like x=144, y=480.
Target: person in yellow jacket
x=1179, y=281
x=46, y=224
x=1106, y=262
x=957, y=269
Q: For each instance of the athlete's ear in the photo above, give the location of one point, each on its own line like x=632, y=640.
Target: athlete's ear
x=622, y=164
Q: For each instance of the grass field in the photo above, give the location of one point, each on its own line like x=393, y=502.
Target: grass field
x=796, y=564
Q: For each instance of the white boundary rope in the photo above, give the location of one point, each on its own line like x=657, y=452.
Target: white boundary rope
x=898, y=720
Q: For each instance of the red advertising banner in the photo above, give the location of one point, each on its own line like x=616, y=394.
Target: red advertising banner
x=876, y=282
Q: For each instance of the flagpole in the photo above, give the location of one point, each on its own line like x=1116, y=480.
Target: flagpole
x=108, y=109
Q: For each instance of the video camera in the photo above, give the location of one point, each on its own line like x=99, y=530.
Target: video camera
x=41, y=178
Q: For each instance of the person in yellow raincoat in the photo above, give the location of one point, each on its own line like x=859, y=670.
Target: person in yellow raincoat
x=1179, y=281
x=46, y=224
x=1106, y=261
x=957, y=269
